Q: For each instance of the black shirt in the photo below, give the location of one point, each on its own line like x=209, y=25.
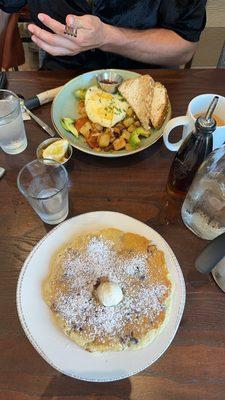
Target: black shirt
x=185, y=17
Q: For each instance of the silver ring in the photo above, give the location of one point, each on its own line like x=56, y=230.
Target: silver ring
x=70, y=30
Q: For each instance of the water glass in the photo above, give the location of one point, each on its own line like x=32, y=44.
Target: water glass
x=203, y=210
x=13, y=138
x=45, y=185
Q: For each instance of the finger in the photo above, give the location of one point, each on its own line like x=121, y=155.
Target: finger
x=53, y=50
x=74, y=20
x=51, y=23
x=71, y=20
x=42, y=34
x=51, y=38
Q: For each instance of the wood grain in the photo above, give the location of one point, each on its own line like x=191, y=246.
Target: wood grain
x=193, y=366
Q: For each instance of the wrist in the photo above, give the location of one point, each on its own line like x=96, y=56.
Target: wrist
x=112, y=37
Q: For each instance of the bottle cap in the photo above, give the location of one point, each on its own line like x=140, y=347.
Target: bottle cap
x=207, y=123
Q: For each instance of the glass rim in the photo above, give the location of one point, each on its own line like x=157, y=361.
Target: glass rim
x=41, y=162
x=17, y=98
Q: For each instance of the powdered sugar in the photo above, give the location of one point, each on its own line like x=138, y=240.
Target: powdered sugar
x=135, y=265
x=83, y=271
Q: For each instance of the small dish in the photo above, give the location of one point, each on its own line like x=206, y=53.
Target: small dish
x=109, y=81
x=43, y=145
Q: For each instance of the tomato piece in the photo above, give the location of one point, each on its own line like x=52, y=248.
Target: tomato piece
x=92, y=141
x=80, y=122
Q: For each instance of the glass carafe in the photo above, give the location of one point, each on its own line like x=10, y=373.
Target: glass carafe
x=203, y=210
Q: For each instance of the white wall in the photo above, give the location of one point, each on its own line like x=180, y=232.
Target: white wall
x=213, y=37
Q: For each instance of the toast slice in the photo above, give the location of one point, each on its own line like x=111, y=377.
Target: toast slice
x=159, y=105
x=139, y=93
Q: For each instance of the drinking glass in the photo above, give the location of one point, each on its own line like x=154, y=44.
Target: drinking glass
x=203, y=210
x=13, y=138
x=45, y=185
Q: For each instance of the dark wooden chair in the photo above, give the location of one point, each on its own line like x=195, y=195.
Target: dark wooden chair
x=11, y=49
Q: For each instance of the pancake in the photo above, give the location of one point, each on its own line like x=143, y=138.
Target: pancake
x=131, y=263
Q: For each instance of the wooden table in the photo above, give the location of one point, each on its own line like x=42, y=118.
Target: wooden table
x=193, y=366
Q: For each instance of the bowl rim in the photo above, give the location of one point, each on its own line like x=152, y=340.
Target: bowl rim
x=49, y=141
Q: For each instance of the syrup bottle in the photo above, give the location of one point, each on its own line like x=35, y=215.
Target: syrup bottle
x=193, y=151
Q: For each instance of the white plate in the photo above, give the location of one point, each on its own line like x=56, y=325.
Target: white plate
x=56, y=348
x=65, y=105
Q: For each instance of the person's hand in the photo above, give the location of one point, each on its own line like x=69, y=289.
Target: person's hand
x=90, y=34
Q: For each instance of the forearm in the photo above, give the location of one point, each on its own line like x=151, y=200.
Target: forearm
x=154, y=46
x=151, y=46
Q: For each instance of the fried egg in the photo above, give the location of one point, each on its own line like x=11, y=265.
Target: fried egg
x=104, y=108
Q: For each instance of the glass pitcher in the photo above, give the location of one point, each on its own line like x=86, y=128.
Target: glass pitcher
x=203, y=210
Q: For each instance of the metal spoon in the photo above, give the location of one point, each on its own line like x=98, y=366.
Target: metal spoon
x=41, y=123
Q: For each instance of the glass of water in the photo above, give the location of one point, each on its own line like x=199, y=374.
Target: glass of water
x=203, y=210
x=45, y=185
x=13, y=138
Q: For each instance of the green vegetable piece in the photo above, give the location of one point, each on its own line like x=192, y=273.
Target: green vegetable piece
x=140, y=131
x=68, y=125
x=80, y=94
x=134, y=140
x=65, y=122
x=134, y=137
x=120, y=97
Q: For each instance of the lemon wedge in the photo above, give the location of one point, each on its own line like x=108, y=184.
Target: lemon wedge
x=56, y=151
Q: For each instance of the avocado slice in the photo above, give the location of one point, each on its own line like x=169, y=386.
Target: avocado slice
x=68, y=125
x=134, y=140
x=80, y=94
x=142, y=132
x=134, y=137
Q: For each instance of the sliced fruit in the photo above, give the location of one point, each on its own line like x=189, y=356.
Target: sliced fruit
x=67, y=121
x=56, y=151
x=68, y=125
x=80, y=94
x=134, y=140
x=142, y=132
x=80, y=122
